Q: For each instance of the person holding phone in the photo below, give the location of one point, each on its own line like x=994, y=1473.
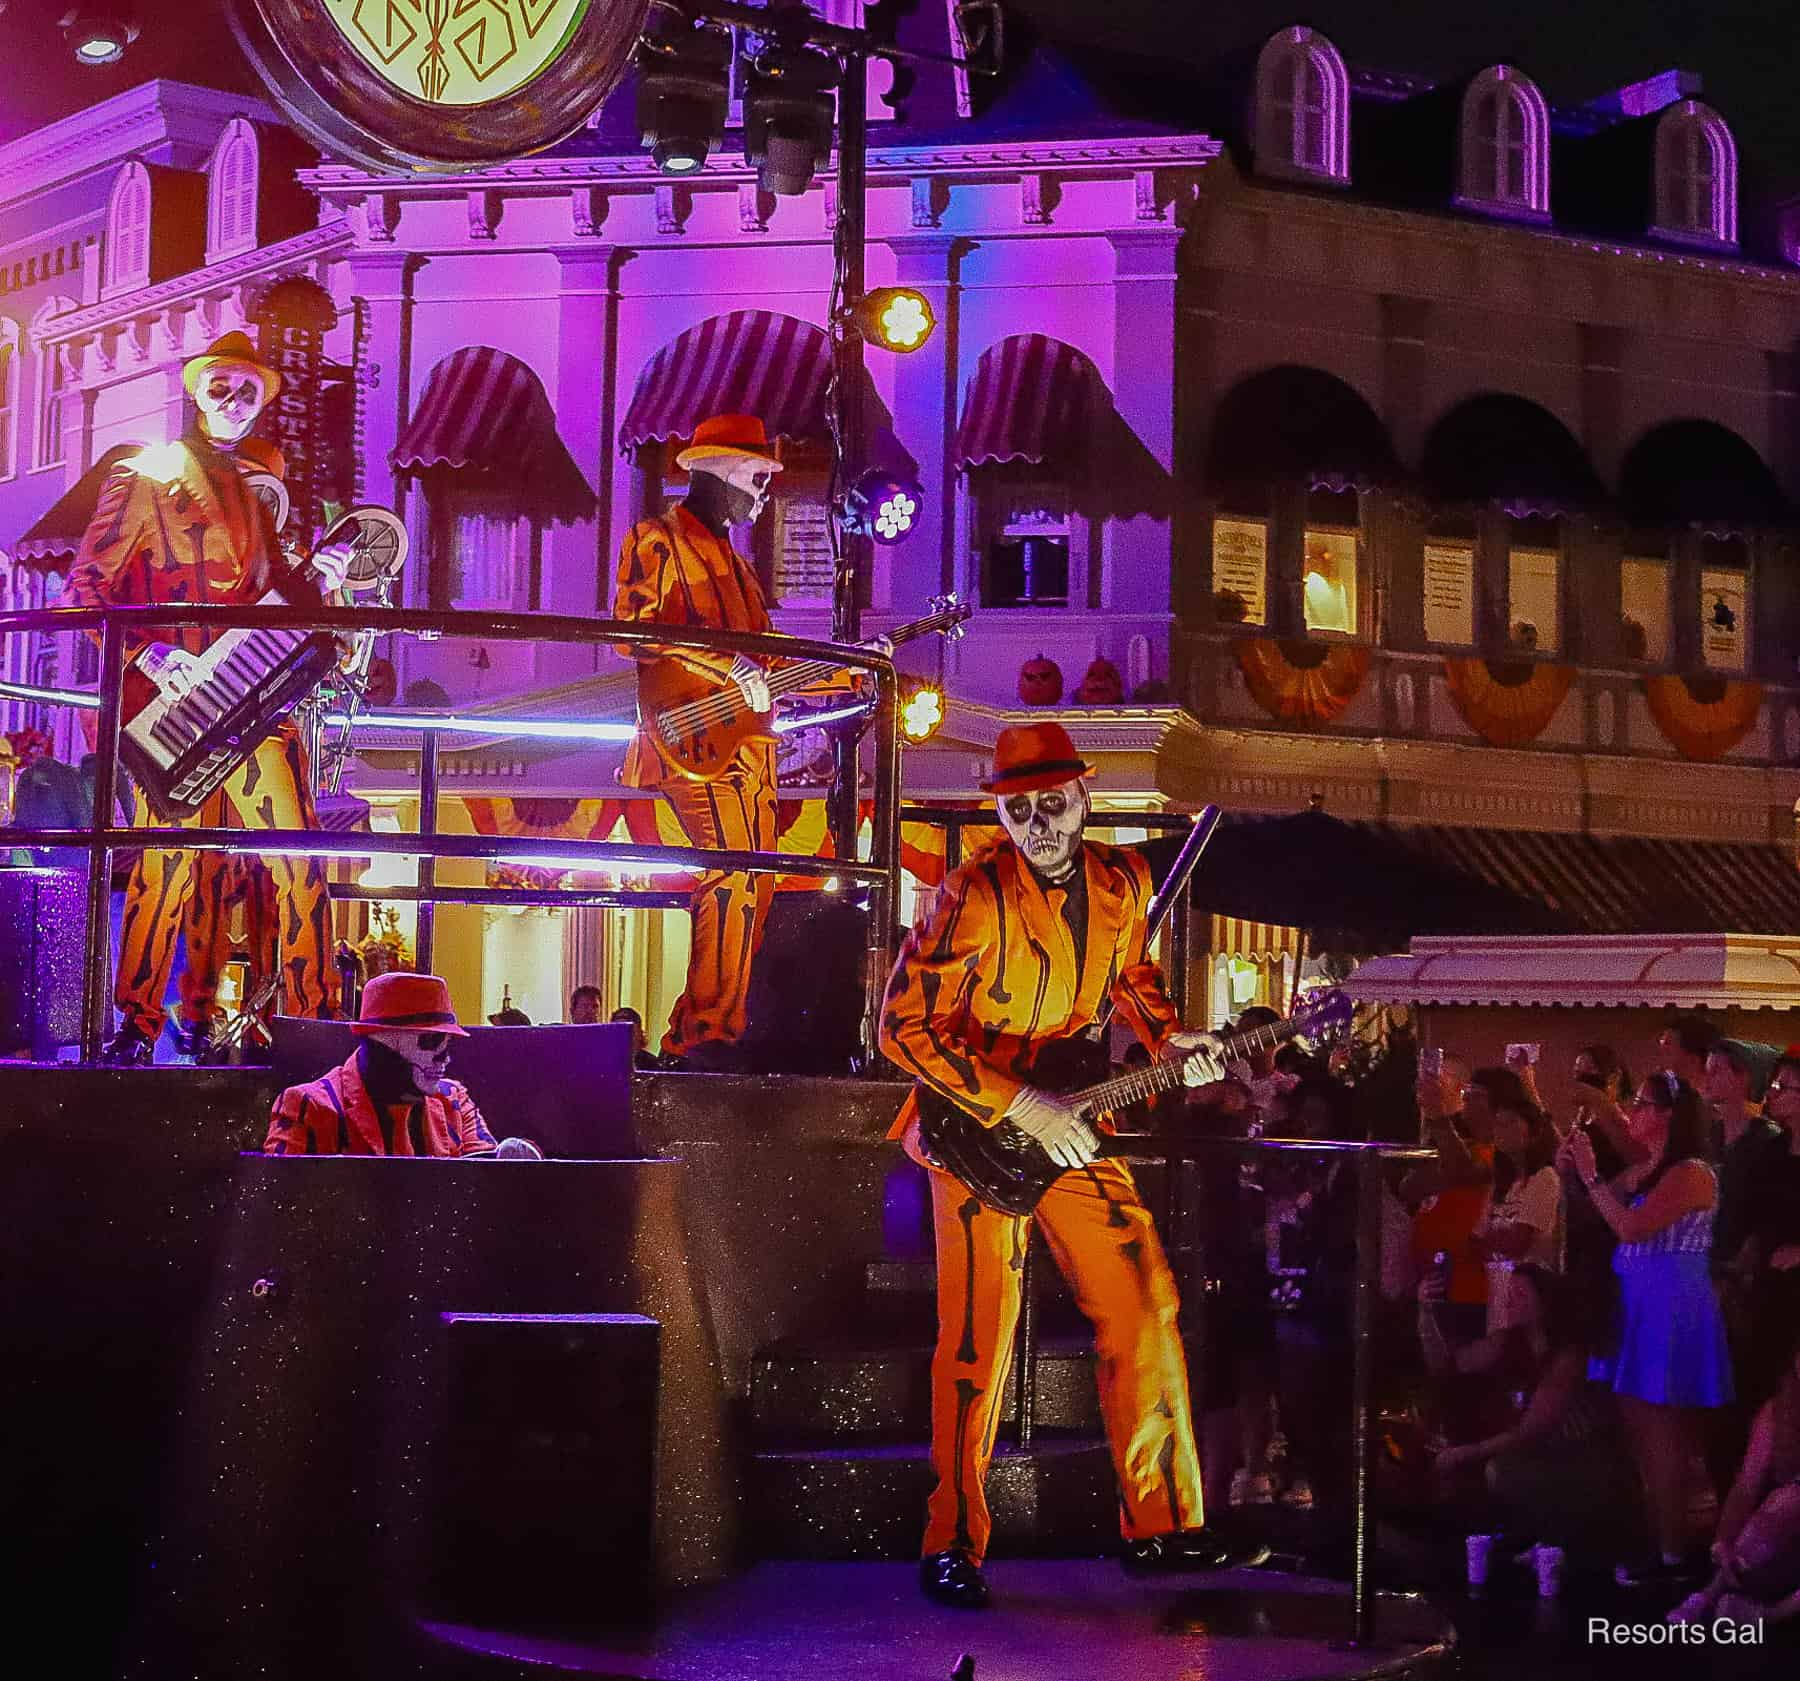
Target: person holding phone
x=1523, y=1220
x=1448, y=1196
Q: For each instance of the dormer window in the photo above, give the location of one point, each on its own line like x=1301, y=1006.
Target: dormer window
x=1505, y=145
x=231, y=183
x=1696, y=175
x=1302, y=108
x=128, y=230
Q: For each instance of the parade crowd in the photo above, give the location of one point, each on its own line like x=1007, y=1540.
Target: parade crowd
x=1588, y=1358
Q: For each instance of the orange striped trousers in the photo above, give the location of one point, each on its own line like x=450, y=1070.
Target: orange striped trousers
x=735, y=811
x=270, y=790
x=1105, y=1244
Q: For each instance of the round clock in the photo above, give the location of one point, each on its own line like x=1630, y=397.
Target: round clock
x=405, y=85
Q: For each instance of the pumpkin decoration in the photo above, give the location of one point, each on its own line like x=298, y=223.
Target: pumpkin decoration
x=1040, y=681
x=1703, y=716
x=1507, y=702
x=1301, y=682
x=1101, y=685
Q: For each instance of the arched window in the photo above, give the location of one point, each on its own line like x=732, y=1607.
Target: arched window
x=1696, y=175
x=1505, y=144
x=1302, y=108
x=128, y=230
x=9, y=398
x=231, y=186
x=52, y=385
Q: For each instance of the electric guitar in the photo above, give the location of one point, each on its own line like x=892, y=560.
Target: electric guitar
x=697, y=723
x=1010, y=1171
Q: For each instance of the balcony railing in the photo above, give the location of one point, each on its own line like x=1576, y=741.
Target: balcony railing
x=877, y=874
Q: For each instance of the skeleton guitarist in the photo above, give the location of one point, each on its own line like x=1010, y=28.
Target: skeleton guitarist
x=681, y=569
x=179, y=524
x=1022, y=946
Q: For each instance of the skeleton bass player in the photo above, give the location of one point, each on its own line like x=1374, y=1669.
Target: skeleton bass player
x=1020, y=952
x=181, y=524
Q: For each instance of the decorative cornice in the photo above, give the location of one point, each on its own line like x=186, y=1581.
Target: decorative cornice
x=1003, y=159
x=329, y=240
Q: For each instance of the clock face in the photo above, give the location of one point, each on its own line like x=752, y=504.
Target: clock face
x=406, y=85
x=457, y=52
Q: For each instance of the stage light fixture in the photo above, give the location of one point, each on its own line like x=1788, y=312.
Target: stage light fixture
x=921, y=712
x=884, y=506
x=895, y=318
x=99, y=31
x=683, y=88
x=789, y=109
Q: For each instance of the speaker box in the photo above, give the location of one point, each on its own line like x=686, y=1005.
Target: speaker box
x=545, y=1484
x=805, y=1007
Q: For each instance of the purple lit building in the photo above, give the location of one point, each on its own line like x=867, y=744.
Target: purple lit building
x=1412, y=444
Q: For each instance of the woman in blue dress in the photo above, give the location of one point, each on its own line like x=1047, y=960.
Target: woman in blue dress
x=1671, y=1360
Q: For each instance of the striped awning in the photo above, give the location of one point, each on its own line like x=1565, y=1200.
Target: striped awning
x=752, y=361
x=485, y=418
x=50, y=545
x=1253, y=942
x=1030, y=399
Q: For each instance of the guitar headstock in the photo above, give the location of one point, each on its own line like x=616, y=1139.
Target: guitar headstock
x=1325, y=1015
x=954, y=613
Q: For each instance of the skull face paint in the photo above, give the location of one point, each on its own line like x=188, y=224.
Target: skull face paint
x=230, y=398
x=429, y=1054
x=1045, y=825
x=748, y=479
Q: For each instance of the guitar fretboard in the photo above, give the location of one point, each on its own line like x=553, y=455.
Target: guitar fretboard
x=1141, y=1084
x=784, y=680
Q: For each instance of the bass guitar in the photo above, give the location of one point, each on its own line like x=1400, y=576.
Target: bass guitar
x=697, y=723
x=1010, y=1171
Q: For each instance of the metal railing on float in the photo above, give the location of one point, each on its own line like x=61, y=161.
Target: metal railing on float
x=878, y=874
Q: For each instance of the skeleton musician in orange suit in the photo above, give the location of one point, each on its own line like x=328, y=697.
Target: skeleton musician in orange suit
x=180, y=524
x=1020, y=948
x=681, y=569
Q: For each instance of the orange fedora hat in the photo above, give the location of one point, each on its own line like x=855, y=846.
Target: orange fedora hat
x=1029, y=756
x=233, y=347
x=401, y=1000
x=729, y=434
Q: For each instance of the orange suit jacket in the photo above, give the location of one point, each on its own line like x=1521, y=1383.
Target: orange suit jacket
x=991, y=972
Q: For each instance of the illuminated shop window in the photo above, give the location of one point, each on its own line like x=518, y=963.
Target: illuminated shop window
x=1534, y=601
x=1328, y=582
x=1449, y=606
x=1644, y=609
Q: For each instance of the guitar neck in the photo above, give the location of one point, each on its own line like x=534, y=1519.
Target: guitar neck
x=1163, y=1075
x=785, y=679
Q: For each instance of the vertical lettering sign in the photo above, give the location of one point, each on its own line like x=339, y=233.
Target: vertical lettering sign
x=292, y=320
x=1240, y=571
x=1450, y=594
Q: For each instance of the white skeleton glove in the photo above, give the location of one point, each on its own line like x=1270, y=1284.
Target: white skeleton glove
x=1055, y=1124
x=752, y=682
x=1202, y=1067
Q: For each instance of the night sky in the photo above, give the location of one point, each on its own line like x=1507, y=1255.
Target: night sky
x=1747, y=51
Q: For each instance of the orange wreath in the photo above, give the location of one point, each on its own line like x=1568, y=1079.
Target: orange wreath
x=1302, y=682
x=1703, y=717
x=1507, y=702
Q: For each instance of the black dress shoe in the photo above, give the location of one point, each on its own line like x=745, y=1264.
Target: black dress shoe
x=130, y=1047
x=953, y=1578
x=200, y=1040
x=716, y=1056
x=1190, y=1549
